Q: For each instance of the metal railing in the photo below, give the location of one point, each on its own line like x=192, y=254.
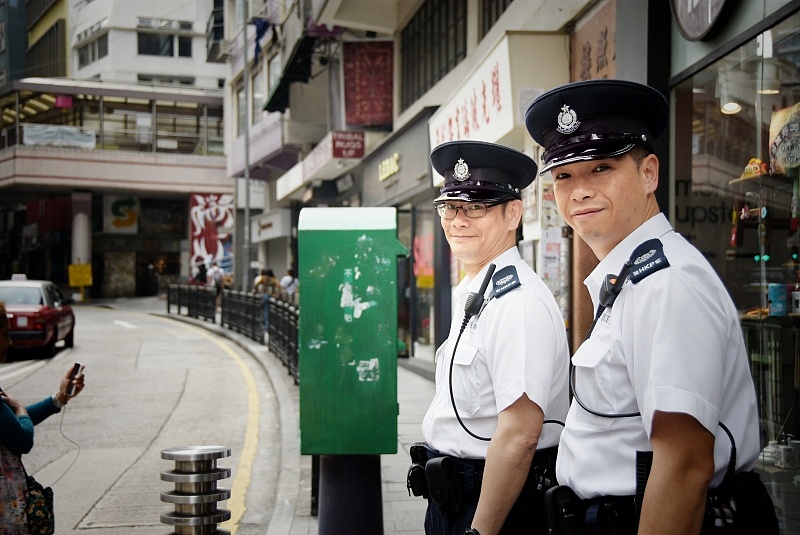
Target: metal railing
x=284, y=318
x=243, y=312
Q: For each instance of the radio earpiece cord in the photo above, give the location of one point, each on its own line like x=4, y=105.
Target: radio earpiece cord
x=609, y=291
x=474, y=305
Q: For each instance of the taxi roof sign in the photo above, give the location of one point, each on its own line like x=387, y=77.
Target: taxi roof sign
x=19, y=277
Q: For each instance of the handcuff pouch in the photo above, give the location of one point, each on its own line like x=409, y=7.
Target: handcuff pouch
x=444, y=485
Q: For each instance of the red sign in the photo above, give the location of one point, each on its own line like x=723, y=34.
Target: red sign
x=348, y=144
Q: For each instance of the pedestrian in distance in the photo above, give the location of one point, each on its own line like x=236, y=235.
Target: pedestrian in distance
x=661, y=382
x=289, y=282
x=492, y=429
x=265, y=285
x=17, y=423
x=216, y=279
x=201, y=274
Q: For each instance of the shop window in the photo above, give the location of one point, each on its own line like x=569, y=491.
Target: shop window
x=737, y=183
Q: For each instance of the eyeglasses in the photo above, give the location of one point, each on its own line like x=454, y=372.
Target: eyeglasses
x=471, y=210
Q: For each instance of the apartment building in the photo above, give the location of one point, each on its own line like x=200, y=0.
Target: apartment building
x=112, y=146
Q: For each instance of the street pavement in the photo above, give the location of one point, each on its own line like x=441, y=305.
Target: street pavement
x=291, y=513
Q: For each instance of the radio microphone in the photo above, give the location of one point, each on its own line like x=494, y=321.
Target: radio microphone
x=475, y=300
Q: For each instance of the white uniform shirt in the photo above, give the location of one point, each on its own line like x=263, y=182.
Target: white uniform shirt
x=517, y=346
x=672, y=342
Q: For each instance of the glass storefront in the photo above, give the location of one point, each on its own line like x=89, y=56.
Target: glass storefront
x=422, y=253
x=737, y=183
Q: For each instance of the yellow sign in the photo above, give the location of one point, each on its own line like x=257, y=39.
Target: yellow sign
x=80, y=275
x=388, y=167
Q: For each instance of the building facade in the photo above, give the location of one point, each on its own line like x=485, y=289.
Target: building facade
x=121, y=166
x=392, y=72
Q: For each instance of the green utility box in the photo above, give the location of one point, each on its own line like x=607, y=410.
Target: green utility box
x=347, y=342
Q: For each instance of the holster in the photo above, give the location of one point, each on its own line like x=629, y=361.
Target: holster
x=443, y=484
x=416, y=481
x=564, y=511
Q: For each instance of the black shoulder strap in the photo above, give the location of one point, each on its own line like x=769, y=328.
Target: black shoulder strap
x=646, y=259
x=504, y=281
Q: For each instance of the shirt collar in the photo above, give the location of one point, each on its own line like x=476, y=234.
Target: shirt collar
x=508, y=257
x=655, y=227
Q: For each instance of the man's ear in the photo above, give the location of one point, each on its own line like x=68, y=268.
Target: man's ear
x=649, y=169
x=514, y=213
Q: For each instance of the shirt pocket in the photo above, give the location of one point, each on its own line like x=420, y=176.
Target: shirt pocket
x=598, y=378
x=465, y=378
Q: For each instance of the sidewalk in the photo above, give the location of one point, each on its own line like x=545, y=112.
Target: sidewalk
x=292, y=514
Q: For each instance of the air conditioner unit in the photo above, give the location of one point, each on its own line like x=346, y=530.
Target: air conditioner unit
x=225, y=49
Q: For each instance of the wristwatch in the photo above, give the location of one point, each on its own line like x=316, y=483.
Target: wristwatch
x=472, y=531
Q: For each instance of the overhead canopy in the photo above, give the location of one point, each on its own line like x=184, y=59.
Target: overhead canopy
x=298, y=69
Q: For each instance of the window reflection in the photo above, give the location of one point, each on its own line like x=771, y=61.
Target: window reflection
x=737, y=183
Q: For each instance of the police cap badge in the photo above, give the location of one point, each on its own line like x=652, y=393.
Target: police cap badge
x=595, y=119
x=481, y=171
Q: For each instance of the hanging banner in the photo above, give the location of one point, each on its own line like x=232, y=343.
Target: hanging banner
x=211, y=228
x=368, y=69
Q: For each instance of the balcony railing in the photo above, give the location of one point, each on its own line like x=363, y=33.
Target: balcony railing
x=136, y=140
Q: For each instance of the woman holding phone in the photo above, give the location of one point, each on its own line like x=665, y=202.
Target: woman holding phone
x=16, y=434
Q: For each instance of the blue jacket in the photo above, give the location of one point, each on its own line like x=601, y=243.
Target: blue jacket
x=16, y=432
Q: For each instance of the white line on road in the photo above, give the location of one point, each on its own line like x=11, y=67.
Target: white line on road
x=125, y=324
x=14, y=369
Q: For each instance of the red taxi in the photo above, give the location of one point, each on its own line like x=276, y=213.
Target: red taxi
x=38, y=314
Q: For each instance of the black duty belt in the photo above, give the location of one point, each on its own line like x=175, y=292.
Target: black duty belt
x=470, y=471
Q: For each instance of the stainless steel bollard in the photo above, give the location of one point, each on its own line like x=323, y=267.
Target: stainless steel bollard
x=196, y=493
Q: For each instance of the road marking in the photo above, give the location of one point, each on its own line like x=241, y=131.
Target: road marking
x=14, y=369
x=125, y=324
x=243, y=474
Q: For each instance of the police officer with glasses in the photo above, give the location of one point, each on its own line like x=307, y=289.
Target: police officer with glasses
x=492, y=429
x=661, y=385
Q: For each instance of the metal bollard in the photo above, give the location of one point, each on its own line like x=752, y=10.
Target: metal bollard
x=196, y=493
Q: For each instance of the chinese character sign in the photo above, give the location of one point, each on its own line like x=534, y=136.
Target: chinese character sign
x=482, y=109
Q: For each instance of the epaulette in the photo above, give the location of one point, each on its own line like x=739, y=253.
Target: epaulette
x=505, y=280
x=647, y=259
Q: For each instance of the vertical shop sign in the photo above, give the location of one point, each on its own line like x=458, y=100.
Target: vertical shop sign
x=211, y=229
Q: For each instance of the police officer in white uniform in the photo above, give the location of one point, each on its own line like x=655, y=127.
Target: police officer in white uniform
x=665, y=363
x=501, y=384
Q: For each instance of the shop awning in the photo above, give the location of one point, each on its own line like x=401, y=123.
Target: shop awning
x=298, y=69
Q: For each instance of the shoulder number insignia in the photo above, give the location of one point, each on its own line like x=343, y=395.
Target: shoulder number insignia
x=505, y=280
x=647, y=259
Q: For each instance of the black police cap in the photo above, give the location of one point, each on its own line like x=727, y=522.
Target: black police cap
x=480, y=171
x=595, y=119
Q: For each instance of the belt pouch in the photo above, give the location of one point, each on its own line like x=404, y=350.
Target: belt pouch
x=443, y=485
x=416, y=482
x=563, y=511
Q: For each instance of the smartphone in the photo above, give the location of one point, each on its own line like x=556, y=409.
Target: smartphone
x=76, y=369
